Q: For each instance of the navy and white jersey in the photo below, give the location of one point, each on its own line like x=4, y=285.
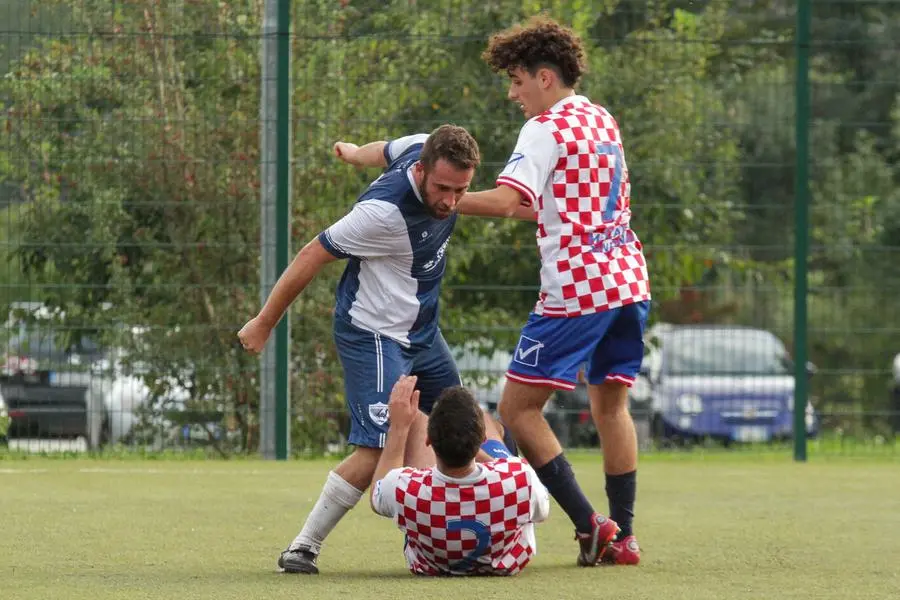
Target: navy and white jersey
x=396, y=253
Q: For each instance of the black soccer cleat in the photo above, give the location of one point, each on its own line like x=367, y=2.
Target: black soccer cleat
x=298, y=560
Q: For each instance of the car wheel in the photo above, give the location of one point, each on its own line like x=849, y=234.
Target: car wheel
x=661, y=438
x=105, y=432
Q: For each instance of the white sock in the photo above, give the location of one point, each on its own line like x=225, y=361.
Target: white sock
x=337, y=498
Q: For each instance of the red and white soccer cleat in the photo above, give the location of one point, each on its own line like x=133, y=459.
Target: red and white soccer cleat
x=622, y=552
x=597, y=542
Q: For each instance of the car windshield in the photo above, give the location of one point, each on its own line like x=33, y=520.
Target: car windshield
x=725, y=352
x=43, y=344
x=36, y=344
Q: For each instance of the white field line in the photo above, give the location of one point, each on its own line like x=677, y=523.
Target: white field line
x=141, y=471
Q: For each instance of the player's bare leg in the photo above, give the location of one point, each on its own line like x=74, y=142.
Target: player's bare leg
x=609, y=408
x=358, y=468
x=493, y=430
x=521, y=411
x=342, y=491
x=496, y=434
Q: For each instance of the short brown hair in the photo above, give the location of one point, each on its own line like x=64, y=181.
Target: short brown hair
x=452, y=143
x=541, y=42
x=456, y=427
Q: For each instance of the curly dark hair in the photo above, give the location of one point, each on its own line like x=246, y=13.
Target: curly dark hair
x=452, y=143
x=456, y=427
x=540, y=42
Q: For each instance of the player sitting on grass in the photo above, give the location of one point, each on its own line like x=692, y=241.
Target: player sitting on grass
x=460, y=517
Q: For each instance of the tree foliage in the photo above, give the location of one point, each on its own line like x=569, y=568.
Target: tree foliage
x=135, y=143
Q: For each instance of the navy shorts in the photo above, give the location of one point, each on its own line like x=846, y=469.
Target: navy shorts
x=551, y=350
x=372, y=365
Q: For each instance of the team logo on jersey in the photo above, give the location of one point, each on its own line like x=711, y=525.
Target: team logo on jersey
x=437, y=257
x=527, y=351
x=379, y=413
x=606, y=242
x=514, y=160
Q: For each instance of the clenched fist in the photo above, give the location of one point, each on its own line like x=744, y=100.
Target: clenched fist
x=254, y=335
x=346, y=152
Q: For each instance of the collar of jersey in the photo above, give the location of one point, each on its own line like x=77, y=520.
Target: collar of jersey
x=412, y=182
x=476, y=475
x=577, y=100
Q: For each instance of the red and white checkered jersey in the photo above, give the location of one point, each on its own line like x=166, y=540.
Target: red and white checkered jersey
x=570, y=165
x=480, y=524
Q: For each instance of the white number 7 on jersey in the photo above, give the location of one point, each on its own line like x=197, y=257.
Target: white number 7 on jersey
x=615, y=153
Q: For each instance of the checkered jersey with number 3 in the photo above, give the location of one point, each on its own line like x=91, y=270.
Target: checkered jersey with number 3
x=478, y=527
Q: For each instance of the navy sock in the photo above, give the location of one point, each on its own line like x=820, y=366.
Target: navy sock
x=558, y=478
x=621, y=490
x=509, y=442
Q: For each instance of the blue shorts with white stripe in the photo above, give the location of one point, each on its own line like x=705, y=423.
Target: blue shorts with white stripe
x=372, y=365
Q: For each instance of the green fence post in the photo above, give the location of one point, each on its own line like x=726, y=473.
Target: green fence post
x=283, y=225
x=801, y=219
x=275, y=223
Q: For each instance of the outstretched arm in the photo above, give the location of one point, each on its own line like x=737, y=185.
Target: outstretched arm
x=502, y=201
x=305, y=266
x=368, y=155
x=403, y=407
x=377, y=154
x=523, y=177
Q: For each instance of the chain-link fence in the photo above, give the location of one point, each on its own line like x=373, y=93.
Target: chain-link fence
x=130, y=186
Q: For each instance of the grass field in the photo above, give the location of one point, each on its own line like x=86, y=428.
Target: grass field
x=718, y=527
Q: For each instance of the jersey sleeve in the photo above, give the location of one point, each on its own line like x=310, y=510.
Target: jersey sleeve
x=531, y=163
x=540, y=497
x=384, y=497
x=370, y=230
x=395, y=148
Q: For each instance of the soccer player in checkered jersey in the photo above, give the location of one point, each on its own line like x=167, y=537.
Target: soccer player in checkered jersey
x=569, y=165
x=460, y=517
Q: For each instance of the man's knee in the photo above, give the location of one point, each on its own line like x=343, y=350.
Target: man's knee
x=363, y=455
x=519, y=399
x=359, y=468
x=510, y=410
x=506, y=412
x=609, y=400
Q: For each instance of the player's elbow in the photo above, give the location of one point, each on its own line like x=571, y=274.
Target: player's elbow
x=509, y=200
x=311, y=249
x=373, y=503
x=543, y=512
x=315, y=255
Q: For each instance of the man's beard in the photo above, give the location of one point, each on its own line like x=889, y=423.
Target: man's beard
x=423, y=191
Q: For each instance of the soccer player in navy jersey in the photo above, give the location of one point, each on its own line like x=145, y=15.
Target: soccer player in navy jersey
x=386, y=315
